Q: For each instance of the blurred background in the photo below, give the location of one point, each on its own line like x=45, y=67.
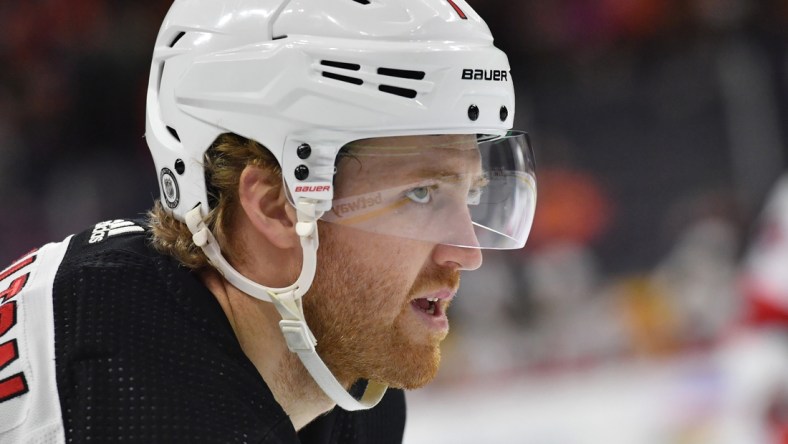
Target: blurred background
x=650, y=303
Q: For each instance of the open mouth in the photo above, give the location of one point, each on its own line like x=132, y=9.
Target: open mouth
x=430, y=306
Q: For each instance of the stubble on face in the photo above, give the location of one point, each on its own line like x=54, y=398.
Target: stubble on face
x=361, y=315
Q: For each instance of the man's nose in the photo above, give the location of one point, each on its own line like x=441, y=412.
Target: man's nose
x=460, y=258
x=458, y=249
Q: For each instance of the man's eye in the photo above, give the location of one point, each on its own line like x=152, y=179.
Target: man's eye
x=420, y=195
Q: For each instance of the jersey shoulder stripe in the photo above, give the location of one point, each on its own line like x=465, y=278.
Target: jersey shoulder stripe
x=110, y=228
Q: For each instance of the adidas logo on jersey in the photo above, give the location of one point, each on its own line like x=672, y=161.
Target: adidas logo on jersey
x=111, y=228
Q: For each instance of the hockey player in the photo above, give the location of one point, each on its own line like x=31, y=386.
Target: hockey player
x=378, y=129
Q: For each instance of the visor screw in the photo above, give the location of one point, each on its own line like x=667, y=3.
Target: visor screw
x=180, y=167
x=301, y=172
x=504, y=114
x=473, y=112
x=304, y=151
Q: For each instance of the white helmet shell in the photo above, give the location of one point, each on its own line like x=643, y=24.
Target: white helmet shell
x=319, y=72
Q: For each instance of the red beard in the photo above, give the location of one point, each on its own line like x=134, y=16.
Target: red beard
x=363, y=319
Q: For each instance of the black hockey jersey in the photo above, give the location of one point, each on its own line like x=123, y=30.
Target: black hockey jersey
x=102, y=339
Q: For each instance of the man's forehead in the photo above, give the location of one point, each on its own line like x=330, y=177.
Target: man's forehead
x=392, y=161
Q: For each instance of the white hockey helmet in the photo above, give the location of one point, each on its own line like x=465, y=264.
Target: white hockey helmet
x=305, y=78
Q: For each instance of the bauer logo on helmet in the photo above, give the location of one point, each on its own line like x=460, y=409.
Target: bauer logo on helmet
x=492, y=75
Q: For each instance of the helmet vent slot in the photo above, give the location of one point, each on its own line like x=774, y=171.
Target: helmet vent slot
x=403, y=92
x=363, y=2
x=341, y=65
x=177, y=37
x=401, y=73
x=174, y=133
x=342, y=78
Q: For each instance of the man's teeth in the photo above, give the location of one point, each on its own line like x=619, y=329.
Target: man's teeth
x=433, y=305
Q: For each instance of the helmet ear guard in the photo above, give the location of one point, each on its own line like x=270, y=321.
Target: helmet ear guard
x=354, y=70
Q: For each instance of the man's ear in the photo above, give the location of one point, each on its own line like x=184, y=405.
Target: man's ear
x=266, y=207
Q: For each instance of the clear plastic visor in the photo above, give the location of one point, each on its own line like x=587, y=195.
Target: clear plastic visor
x=459, y=190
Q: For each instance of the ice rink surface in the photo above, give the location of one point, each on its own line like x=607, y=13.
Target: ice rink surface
x=725, y=395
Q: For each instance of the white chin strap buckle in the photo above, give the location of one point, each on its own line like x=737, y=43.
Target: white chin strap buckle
x=298, y=336
x=296, y=332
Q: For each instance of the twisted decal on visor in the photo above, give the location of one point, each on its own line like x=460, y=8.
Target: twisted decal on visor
x=454, y=190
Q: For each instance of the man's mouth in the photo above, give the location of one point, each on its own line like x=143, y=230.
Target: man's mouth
x=430, y=306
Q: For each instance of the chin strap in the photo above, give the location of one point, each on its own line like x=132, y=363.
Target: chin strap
x=288, y=303
x=301, y=341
